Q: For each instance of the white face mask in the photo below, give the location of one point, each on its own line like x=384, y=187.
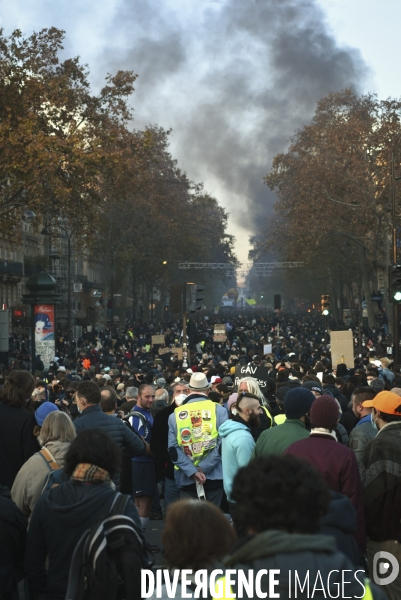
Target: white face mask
x=179, y=399
x=234, y=411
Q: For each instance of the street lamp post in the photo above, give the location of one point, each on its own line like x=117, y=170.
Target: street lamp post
x=69, y=237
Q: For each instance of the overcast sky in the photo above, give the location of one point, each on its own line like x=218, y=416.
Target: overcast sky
x=232, y=78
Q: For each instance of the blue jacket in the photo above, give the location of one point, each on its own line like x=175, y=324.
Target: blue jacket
x=211, y=465
x=236, y=448
x=94, y=418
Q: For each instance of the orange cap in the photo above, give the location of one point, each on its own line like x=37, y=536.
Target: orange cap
x=386, y=402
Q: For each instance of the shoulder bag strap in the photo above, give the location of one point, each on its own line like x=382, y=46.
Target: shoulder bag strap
x=49, y=459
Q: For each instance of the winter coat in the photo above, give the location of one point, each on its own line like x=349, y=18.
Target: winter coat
x=58, y=521
x=94, y=418
x=340, y=522
x=381, y=481
x=348, y=420
x=362, y=433
x=342, y=435
x=28, y=485
x=159, y=442
x=237, y=445
x=335, y=391
x=13, y=526
x=17, y=442
x=339, y=468
x=210, y=465
x=311, y=555
x=277, y=439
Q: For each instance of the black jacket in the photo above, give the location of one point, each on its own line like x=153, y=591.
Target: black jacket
x=13, y=526
x=17, y=442
x=340, y=522
x=94, y=418
x=337, y=395
x=159, y=442
x=58, y=521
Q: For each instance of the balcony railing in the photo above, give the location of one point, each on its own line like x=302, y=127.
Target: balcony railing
x=11, y=268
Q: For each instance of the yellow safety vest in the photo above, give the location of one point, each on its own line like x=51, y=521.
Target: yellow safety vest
x=368, y=592
x=367, y=596
x=197, y=429
x=268, y=414
x=279, y=419
x=230, y=591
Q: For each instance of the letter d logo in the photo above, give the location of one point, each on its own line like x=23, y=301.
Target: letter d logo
x=382, y=568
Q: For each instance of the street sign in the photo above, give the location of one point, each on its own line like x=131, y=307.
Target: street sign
x=77, y=287
x=364, y=304
x=96, y=294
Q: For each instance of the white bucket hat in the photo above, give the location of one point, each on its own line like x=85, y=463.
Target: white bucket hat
x=199, y=382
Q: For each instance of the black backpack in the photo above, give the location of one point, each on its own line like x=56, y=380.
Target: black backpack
x=107, y=561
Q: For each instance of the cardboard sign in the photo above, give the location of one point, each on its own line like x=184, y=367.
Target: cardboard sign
x=251, y=370
x=342, y=348
x=164, y=350
x=220, y=333
x=178, y=351
x=157, y=339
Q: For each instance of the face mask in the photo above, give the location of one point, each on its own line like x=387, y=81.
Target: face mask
x=234, y=411
x=179, y=399
x=373, y=422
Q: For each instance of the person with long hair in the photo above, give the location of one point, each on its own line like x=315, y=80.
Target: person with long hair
x=55, y=437
x=17, y=442
x=63, y=513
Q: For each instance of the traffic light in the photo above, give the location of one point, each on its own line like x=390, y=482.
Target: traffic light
x=195, y=297
x=394, y=283
x=325, y=305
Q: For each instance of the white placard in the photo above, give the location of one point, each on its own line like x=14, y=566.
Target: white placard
x=267, y=348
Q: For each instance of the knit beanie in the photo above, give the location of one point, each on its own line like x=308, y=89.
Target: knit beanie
x=325, y=413
x=297, y=403
x=44, y=409
x=281, y=392
x=231, y=400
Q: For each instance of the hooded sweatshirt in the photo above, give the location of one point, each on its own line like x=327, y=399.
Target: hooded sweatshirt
x=58, y=521
x=313, y=557
x=236, y=449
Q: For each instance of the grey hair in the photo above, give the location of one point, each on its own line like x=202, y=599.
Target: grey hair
x=161, y=396
x=181, y=382
x=57, y=427
x=131, y=392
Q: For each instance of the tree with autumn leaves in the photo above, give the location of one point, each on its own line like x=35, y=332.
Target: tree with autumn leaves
x=334, y=196
x=69, y=153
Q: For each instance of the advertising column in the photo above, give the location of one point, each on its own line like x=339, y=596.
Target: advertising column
x=45, y=343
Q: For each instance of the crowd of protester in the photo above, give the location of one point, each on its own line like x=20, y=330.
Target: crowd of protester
x=297, y=468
